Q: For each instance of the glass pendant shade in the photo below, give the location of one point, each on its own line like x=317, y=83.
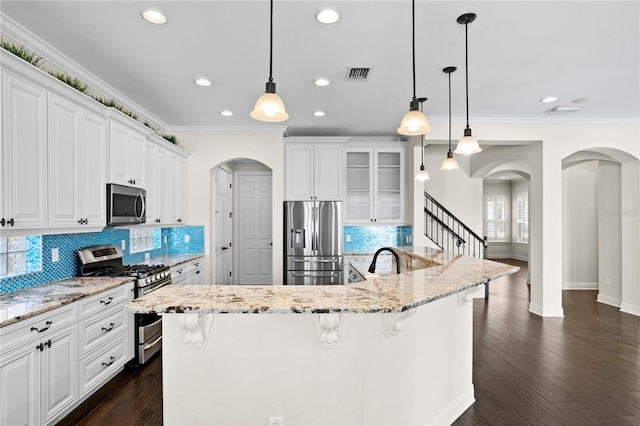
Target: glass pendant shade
x=269, y=107
x=468, y=144
x=422, y=174
x=414, y=123
x=449, y=163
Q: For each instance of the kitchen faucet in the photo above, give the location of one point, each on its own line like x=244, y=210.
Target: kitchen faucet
x=372, y=267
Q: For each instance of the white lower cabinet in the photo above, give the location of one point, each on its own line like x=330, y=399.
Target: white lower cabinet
x=190, y=273
x=53, y=361
x=98, y=365
x=39, y=378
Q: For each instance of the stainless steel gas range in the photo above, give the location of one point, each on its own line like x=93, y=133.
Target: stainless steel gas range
x=106, y=261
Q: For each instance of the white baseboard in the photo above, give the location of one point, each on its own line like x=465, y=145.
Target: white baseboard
x=454, y=410
x=608, y=300
x=630, y=309
x=541, y=311
x=507, y=256
x=580, y=286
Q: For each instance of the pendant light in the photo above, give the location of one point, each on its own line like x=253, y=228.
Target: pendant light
x=468, y=144
x=414, y=122
x=449, y=163
x=422, y=174
x=269, y=107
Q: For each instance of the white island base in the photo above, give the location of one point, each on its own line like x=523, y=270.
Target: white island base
x=409, y=368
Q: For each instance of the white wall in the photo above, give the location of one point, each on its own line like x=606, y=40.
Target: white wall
x=580, y=226
x=213, y=148
x=610, y=233
x=548, y=143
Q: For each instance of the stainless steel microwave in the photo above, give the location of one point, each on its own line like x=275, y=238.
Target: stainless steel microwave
x=126, y=205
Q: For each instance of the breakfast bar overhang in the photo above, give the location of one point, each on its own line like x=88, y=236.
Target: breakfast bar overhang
x=392, y=349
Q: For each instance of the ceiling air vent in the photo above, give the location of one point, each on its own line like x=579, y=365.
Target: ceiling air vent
x=563, y=109
x=358, y=74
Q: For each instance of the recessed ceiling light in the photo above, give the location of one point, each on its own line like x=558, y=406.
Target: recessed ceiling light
x=202, y=82
x=503, y=177
x=226, y=113
x=319, y=113
x=581, y=100
x=321, y=82
x=154, y=16
x=328, y=16
x=549, y=99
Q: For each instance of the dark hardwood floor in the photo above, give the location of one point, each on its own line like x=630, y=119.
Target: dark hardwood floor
x=583, y=369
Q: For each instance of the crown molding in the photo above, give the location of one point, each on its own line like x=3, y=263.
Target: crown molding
x=546, y=120
x=19, y=34
x=228, y=129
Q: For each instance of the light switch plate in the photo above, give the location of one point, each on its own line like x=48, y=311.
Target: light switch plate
x=123, y=244
x=55, y=255
x=348, y=238
x=186, y=238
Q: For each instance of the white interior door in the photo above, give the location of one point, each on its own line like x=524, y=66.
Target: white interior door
x=224, y=226
x=254, y=251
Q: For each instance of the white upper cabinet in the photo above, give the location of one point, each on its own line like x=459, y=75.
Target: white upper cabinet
x=77, y=165
x=127, y=156
x=24, y=154
x=166, y=184
x=314, y=168
x=375, y=186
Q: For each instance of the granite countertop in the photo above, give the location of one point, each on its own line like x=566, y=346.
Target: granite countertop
x=442, y=274
x=22, y=304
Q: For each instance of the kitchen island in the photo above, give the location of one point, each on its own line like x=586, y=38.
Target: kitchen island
x=391, y=349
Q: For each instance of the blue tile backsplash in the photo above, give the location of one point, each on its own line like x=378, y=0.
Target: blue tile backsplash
x=367, y=239
x=67, y=245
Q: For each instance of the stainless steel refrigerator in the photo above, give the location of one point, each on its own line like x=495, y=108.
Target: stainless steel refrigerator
x=313, y=242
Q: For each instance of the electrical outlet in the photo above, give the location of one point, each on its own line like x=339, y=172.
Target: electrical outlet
x=165, y=239
x=146, y=256
x=55, y=255
x=348, y=238
x=408, y=239
x=186, y=238
x=275, y=421
x=123, y=244
x=607, y=281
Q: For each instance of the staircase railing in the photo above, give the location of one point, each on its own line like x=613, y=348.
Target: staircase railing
x=449, y=233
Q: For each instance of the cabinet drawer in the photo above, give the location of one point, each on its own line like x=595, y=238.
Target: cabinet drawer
x=95, y=368
x=37, y=327
x=102, y=302
x=96, y=332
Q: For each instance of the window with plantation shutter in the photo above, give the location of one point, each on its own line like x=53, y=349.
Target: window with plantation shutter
x=521, y=217
x=496, y=217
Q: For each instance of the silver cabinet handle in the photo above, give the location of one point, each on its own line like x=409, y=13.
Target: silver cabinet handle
x=153, y=343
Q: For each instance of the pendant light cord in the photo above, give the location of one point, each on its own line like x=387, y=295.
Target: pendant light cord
x=466, y=70
x=450, y=113
x=413, y=44
x=271, y=47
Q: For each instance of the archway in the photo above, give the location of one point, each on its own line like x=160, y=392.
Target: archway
x=241, y=243
x=600, y=225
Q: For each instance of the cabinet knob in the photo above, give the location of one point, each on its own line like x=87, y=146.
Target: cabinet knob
x=179, y=220
x=10, y=222
x=2, y=221
x=40, y=346
x=48, y=343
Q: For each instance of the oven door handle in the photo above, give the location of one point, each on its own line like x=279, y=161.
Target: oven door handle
x=150, y=345
x=135, y=207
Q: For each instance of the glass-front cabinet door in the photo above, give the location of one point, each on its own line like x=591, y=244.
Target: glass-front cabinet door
x=375, y=190
x=389, y=186
x=359, y=197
